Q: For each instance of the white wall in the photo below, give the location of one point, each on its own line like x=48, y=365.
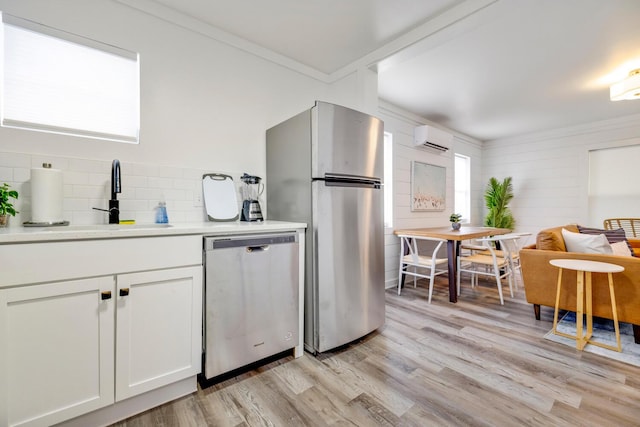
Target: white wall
x=401, y=124
x=550, y=170
x=205, y=106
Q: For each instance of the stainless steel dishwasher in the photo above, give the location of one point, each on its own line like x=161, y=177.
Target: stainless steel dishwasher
x=251, y=299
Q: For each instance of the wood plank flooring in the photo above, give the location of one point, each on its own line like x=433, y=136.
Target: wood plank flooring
x=474, y=363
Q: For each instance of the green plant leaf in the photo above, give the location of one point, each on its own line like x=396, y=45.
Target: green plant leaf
x=497, y=197
x=6, y=207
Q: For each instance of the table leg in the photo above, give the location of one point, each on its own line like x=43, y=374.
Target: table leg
x=452, y=255
x=589, y=310
x=555, y=311
x=580, y=341
x=614, y=309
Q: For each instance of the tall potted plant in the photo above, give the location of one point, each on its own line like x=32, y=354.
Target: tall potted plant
x=6, y=207
x=497, y=197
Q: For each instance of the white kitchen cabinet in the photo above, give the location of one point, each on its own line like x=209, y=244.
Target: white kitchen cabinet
x=56, y=351
x=68, y=333
x=158, y=329
x=72, y=347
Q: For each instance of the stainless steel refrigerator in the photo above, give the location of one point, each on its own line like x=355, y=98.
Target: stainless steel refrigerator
x=324, y=167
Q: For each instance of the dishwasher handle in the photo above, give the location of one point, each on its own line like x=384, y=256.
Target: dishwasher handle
x=255, y=243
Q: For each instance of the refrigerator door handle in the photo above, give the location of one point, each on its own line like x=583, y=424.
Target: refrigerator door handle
x=342, y=180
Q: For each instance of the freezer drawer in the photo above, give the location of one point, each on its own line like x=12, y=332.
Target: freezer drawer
x=251, y=299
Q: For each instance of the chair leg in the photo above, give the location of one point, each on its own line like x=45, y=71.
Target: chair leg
x=400, y=279
x=431, y=276
x=509, y=274
x=499, y=287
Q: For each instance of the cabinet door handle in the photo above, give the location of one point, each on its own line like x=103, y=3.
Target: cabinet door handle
x=124, y=292
x=105, y=295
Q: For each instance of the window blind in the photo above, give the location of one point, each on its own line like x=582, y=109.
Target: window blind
x=53, y=81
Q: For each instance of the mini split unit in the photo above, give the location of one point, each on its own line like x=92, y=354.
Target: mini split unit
x=432, y=138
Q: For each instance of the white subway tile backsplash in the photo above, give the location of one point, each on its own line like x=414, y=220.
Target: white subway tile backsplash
x=21, y=174
x=6, y=173
x=134, y=205
x=154, y=194
x=99, y=179
x=185, y=184
x=156, y=182
x=133, y=181
x=71, y=204
x=87, y=185
x=82, y=165
x=15, y=160
x=171, y=172
x=194, y=174
x=75, y=177
x=90, y=192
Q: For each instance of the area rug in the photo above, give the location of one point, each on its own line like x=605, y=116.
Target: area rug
x=604, y=332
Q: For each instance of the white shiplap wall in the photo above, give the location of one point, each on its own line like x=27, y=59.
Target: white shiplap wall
x=550, y=170
x=401, y=124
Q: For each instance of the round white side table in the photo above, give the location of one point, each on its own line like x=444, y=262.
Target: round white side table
x=584, y=269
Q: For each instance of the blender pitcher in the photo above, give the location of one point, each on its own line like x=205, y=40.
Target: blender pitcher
x=251, y=190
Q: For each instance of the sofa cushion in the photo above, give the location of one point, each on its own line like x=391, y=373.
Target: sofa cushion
x=621, y=248
x=613, y=236
x=551, y=239
x=586, y=243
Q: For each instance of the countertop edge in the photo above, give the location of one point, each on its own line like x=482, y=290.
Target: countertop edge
x=94, y=232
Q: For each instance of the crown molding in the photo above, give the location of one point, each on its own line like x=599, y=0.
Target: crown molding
x=390, y=52
x=189, y=23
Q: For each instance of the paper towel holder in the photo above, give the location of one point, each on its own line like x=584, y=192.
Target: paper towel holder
x=45, y=165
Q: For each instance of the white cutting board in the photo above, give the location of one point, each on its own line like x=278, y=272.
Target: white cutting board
x=220, y=199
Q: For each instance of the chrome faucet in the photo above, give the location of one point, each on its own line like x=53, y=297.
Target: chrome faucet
x=116, y=187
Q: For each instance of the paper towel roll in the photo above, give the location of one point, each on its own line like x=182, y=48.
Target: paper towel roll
x=46, y=195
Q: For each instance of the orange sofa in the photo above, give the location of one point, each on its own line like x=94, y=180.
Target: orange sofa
x=540, y=279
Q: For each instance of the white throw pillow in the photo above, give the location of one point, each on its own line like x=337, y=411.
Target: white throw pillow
x=586, y=243
x=621, y=248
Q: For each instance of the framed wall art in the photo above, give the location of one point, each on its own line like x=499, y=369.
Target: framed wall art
x=428, y=187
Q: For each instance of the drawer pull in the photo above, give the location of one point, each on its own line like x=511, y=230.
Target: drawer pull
x=105, y=295
x=124, y=292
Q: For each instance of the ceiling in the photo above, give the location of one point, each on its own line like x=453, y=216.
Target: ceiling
x=489, y=69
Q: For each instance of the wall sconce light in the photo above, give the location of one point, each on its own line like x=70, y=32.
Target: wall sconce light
x=629, y=88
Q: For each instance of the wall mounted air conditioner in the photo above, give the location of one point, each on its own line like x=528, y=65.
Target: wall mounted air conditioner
x=432, y=138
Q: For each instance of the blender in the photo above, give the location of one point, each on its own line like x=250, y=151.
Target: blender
x=250, y=191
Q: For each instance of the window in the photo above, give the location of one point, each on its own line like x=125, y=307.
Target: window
x=388, y=180
x=58, y=82
x=462, y=185
x=613, y=189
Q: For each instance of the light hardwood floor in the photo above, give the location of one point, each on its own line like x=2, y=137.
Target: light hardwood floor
x=472, y=363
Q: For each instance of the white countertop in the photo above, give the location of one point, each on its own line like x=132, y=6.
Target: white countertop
x=110, y=231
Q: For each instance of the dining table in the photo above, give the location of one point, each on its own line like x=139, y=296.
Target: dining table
x=454, y=238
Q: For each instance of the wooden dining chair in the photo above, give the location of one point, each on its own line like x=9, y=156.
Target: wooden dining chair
x=510, y=245
x=490, y=262
x=419, y=258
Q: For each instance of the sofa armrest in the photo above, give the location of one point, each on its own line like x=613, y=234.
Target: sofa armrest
x=540, y=280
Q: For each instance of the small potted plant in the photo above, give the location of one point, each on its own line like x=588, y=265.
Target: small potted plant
x=6, y=207
x=455, y=221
